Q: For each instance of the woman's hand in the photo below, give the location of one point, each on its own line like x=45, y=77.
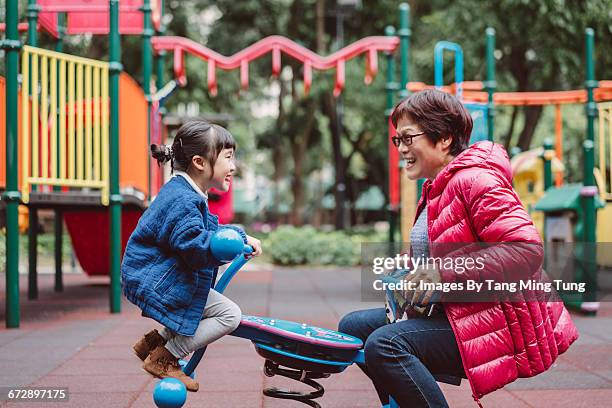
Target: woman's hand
x=255, y=244
x=427, y=275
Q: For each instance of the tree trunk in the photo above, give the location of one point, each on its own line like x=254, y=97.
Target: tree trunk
x=532, y=117
x=329, y=106
x=510, y=131
x=277, y=152
x=298, y=150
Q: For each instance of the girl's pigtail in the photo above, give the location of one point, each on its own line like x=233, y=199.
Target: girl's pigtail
x=162, y=153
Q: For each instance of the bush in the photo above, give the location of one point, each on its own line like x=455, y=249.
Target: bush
x=289, y=245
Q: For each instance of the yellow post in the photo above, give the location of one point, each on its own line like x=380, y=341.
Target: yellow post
x=79, y=138
x=609, y=108
x=44, y=115
x=62, y=123
x=602, y=148
x=53, y=96
x=88, y=123
x=105, y=139
x=34, y=116
x=71, y=83
x=25, y=129
x=96, y=113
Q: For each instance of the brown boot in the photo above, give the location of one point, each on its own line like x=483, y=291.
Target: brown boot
x=148, y=343
x=162, y=364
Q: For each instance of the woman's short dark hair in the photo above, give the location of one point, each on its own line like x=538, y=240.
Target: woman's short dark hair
x=439, y=115
x=195, y=138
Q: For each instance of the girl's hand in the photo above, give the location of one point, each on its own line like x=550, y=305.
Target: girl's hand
x=255, y=244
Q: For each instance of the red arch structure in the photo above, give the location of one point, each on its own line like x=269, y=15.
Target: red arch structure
x=276, y=45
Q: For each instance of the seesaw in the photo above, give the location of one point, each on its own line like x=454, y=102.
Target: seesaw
x=294, y=350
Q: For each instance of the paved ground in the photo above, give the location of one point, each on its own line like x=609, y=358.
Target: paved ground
x=70, y=340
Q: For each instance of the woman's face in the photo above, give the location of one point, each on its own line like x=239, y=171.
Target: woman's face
x=422, y=158
x=224, y=170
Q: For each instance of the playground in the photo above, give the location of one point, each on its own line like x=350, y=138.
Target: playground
x=76, y=177
x=69, y=338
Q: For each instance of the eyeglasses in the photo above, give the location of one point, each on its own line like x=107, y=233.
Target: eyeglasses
x=406, y=139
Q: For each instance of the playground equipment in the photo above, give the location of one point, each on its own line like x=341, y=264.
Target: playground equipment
x=82, y=175
x=67, y=114
x=293, y=350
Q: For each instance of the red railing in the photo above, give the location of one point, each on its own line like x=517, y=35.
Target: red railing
x=276, y=45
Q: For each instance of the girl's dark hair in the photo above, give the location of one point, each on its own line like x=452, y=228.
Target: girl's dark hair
x=195, y=138
x=439, y=115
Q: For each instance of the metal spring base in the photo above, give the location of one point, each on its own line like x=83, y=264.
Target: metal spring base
x=271, y=369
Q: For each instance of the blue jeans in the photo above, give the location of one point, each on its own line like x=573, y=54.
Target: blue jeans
x=402, y=358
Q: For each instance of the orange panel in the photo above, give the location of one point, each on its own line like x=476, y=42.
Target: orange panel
x=133, y=147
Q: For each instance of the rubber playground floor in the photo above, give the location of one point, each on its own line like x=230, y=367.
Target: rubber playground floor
x=70, y=340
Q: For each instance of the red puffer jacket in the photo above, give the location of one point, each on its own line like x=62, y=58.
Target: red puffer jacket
x=472, y=200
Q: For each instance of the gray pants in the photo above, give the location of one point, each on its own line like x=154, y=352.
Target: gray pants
x=221, y=317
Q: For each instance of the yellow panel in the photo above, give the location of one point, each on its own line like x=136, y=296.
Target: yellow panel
x=25, y=72
x=79, y=139
x=53, y=116
x=71, y=110
x=34, y=116
x=96, y=113
x=88, y=121
x=44, y=124
x=83, y=159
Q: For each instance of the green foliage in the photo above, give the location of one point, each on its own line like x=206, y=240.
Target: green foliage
x=289, y=245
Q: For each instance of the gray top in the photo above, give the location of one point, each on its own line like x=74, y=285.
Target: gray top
x=419, y=239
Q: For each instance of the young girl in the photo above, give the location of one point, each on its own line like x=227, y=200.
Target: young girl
x=168, y=270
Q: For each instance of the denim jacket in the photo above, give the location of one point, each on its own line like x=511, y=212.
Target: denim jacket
x=168, y=269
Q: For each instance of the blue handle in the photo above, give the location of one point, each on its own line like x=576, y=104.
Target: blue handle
x=233, y=269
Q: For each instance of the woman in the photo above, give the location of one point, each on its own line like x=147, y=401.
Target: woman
x=468, y=197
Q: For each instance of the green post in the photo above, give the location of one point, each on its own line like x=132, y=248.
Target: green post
x=390, y=89
x=115, y=195
x=32, y=252
x=589, y=165
x=147, y=68
x=11, y=46
x=33, y=10
x=32, y=15
x=58, y=221
x=490, y=84
x=548, y=155
x=159, y=60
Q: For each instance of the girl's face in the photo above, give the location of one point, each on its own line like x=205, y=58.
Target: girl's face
x=423, y=158
x=223, y=170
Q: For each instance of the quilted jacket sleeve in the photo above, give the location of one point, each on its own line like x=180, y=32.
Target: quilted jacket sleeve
x=513, y=247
